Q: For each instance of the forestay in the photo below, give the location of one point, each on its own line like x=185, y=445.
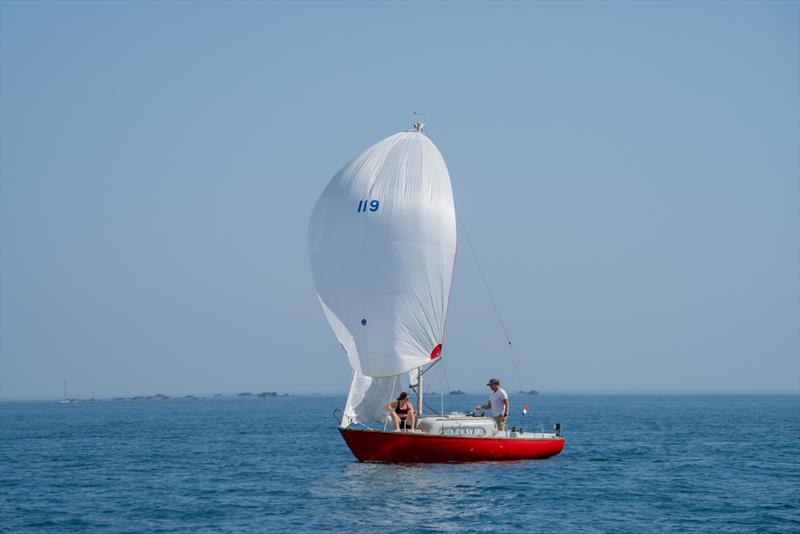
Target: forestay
x=382, y=242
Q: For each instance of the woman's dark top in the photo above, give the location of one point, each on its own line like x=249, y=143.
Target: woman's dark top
x=402, y=412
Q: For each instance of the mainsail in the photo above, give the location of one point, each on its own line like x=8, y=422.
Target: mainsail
x=382, y=242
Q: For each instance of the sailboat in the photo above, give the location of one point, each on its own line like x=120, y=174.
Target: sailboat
x=382, y=247
x=66, y=399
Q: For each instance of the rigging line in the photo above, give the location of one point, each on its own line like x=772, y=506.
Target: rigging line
x=514, y=356
x=431, y=408
x=444, y=374
x=440, y=376
x=445, y=388
x=425, y=402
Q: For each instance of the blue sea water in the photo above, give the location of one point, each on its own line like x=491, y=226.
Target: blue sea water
x=631, y=464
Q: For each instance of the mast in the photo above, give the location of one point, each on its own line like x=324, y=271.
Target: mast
x=65, y=389
x=419, y=392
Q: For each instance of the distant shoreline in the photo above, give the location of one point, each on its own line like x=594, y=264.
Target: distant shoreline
x=160, y=397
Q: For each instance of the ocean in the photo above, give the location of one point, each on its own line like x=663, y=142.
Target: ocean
x=630, y=464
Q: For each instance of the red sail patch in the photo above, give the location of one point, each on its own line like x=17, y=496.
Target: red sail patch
x=436, y=352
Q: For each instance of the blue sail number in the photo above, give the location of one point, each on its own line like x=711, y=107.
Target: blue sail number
x=371, y=205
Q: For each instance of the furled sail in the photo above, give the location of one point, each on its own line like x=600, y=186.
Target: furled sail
x=382, y=242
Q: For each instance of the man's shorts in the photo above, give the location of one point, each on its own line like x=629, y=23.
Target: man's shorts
x=501, y=422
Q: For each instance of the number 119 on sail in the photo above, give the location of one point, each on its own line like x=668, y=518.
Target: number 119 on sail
x=372, y=205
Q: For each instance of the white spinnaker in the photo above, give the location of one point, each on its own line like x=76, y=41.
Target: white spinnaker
x=367, y=398
x=382, y=242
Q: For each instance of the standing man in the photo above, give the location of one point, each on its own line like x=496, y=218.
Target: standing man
x=498, y=402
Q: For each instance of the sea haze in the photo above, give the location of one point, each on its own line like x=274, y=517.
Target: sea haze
x=631, y=463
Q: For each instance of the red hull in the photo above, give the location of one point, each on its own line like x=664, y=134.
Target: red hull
x=402, y=447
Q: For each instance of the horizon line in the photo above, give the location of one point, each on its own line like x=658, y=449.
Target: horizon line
x=599, y=392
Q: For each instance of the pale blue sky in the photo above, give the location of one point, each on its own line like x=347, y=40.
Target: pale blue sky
x=628, y=173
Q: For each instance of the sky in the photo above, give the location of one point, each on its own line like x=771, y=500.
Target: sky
x=628, y=172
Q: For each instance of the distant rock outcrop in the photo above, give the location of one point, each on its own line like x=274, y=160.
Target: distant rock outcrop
x=157, y=396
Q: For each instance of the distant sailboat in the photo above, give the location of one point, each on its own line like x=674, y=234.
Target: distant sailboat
x=382, y=244
x=67, y=400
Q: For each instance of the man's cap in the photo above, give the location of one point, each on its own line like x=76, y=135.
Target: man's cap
x=493, y=381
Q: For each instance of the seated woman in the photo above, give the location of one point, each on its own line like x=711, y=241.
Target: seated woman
x=402, y=413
